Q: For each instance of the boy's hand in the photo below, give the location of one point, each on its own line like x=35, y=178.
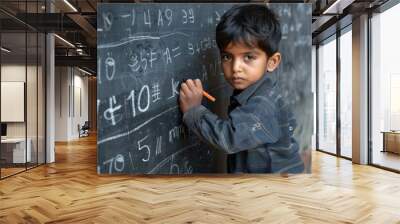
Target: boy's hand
x=190, y=94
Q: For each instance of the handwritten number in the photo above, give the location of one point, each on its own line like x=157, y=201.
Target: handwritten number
x=146, y=147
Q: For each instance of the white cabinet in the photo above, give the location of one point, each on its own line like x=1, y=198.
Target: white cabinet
x=18, y=149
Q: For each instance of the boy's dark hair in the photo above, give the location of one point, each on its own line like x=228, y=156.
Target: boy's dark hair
x=253, y=25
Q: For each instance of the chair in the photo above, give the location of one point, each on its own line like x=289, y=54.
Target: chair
x=84, y=130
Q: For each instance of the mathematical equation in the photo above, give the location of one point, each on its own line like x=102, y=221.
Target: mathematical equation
x=146, y=18
x=138, y=60
x=148, y=149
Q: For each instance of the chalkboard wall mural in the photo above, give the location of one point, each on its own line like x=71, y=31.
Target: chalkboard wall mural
x=146, y=50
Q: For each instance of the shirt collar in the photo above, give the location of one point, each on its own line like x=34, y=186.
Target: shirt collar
x=244, y=95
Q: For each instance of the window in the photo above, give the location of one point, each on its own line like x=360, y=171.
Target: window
x=346, y=93
x=22, y=67
x=385, y=89
x=327, y=96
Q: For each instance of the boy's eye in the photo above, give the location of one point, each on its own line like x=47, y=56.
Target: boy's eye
x=249, y=57
x=226, y=57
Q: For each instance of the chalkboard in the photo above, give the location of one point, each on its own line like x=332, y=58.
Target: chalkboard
x=144, y=52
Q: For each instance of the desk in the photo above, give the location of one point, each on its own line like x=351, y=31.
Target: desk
x=391, y=141
x=16, y=148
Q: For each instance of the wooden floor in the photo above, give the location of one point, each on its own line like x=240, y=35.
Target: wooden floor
x=70, y=191
x=10, y=171
x=387, y=159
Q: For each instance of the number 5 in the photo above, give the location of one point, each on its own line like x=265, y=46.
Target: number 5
x=144, y=147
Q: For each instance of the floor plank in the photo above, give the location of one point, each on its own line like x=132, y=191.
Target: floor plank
x=70, y=191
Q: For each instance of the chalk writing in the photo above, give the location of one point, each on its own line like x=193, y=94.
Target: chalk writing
x=109, y=113
x=110, y=68
x=174, y=88
x=155, y=92
x=107, y=21
x=188, y=16
x=142, y=106
x=144, y=147
x=158, y=145
x=147, y=17
x=116, y=163
x=176, y=132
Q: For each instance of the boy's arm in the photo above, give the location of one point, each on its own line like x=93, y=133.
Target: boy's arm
x=248, y=126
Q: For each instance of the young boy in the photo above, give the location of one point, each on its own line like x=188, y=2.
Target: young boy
x=258, y=134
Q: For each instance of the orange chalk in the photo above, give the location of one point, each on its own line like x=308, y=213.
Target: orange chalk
x=208, y=96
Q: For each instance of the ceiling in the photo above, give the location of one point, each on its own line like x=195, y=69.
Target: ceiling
x=76, y=23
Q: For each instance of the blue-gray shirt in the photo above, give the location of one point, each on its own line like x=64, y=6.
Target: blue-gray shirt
x=258, y=133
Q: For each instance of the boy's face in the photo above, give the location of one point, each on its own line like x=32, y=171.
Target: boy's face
x=242, y=65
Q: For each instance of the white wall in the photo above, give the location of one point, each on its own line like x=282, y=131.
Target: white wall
x=80, y=110
x=61, y=103
x=71, y=94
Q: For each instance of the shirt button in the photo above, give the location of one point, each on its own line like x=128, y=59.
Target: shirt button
x=256, y=126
